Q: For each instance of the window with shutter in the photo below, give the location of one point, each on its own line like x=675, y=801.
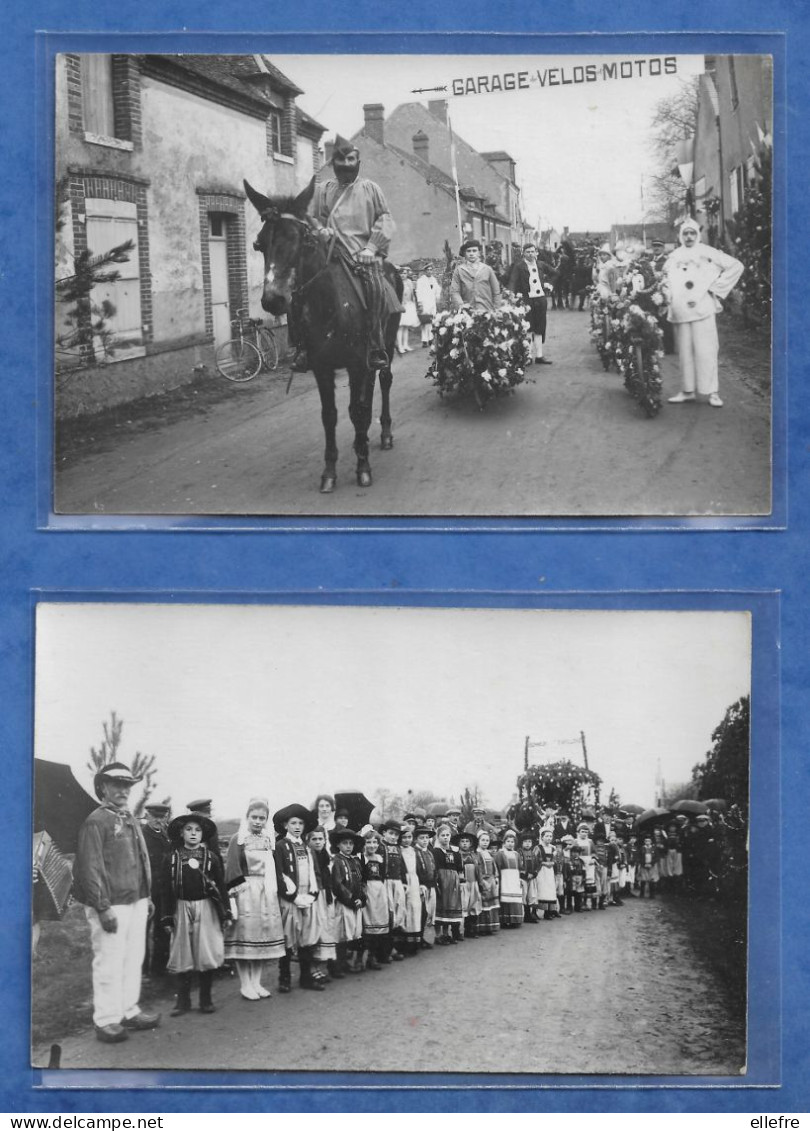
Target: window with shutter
x=97, y=95
x=109, y=224
x=274, y=132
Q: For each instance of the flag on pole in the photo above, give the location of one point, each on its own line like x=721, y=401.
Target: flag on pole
x=454, y=171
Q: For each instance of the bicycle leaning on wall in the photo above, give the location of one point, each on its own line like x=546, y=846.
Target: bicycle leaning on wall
x=252, y=348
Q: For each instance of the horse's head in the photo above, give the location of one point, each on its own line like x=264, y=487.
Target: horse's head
x=283, y=233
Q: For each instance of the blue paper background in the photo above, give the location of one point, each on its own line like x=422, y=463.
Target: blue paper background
x=521, y=566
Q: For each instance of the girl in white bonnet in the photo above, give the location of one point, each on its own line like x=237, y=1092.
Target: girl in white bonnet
x=697, y=277
x=257, y=935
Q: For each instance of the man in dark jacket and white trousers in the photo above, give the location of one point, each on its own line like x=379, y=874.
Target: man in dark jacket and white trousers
x=112, y=878
x=528, y=279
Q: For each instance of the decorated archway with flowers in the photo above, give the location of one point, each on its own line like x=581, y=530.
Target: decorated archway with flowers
x=562, y=785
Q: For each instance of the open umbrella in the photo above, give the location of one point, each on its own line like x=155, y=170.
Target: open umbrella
x=651, y=817
x=357, y=805
x=633, y=810
x=687, y=805
x=61, y=806
x=716, y=803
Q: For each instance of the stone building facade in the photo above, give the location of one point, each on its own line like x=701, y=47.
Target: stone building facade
x=154, y=148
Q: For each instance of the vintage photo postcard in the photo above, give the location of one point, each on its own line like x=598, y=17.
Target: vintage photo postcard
x=412, y=285
x=391, y=840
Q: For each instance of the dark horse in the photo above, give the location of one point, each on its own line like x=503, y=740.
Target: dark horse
x=300, y=268
x=582, y=278
x=566, y=265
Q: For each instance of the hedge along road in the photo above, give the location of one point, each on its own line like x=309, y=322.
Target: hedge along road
x=622, y=991
x=571, y=443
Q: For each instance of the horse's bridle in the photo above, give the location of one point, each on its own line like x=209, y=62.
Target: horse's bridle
x=271, y=215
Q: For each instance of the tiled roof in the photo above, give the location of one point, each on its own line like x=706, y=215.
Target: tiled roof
x=302, y=118
x=436, y=176
x=237, y=73
x=280, y=77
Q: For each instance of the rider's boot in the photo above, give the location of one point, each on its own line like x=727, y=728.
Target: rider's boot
x=300, y=362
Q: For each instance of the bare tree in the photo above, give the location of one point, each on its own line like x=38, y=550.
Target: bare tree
x=389, y=804
x=674, y=118
x=421, y=798
x=142, y=765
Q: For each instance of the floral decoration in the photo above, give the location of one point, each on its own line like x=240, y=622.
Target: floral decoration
x=626, y=330
x=561, y=784
x=480, y=353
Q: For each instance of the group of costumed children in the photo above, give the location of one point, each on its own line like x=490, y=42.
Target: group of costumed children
x=343, y=902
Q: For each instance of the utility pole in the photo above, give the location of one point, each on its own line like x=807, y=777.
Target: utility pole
x=584, y=748
x=526, y=754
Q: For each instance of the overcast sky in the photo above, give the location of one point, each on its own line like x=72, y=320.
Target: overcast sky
x=581, y=149
x=289, y=701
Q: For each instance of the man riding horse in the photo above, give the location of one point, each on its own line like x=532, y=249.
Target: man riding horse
x=350, y=211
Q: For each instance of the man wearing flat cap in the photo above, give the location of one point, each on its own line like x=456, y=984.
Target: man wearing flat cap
x=158, y=846
x=352, y=211
x=478, y=824
x=112, y=878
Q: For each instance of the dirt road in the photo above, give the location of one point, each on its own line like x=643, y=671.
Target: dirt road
x=571, y=443
x=621, y=991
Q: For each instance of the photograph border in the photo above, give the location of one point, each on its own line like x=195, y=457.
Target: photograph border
x=764, y=1006
x=49, y=44
x=330, y=562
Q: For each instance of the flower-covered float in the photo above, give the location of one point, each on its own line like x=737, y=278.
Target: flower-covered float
x=626, y=330
x=482, y=353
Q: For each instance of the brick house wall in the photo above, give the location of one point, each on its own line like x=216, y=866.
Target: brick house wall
x=179, y=152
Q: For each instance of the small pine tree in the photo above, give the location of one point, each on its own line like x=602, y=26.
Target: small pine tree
x=142, y=765
x=87, y=323
x=470, y=799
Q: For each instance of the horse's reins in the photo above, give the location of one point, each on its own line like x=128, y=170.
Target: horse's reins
x=273, y=214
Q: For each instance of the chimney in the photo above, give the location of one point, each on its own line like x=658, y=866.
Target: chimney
x=421, y=144
x=374, y=128
x=438, y=108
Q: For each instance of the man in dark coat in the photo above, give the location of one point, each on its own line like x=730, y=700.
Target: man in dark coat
x=529, y=278
x=563, y=826
x=158, y=846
